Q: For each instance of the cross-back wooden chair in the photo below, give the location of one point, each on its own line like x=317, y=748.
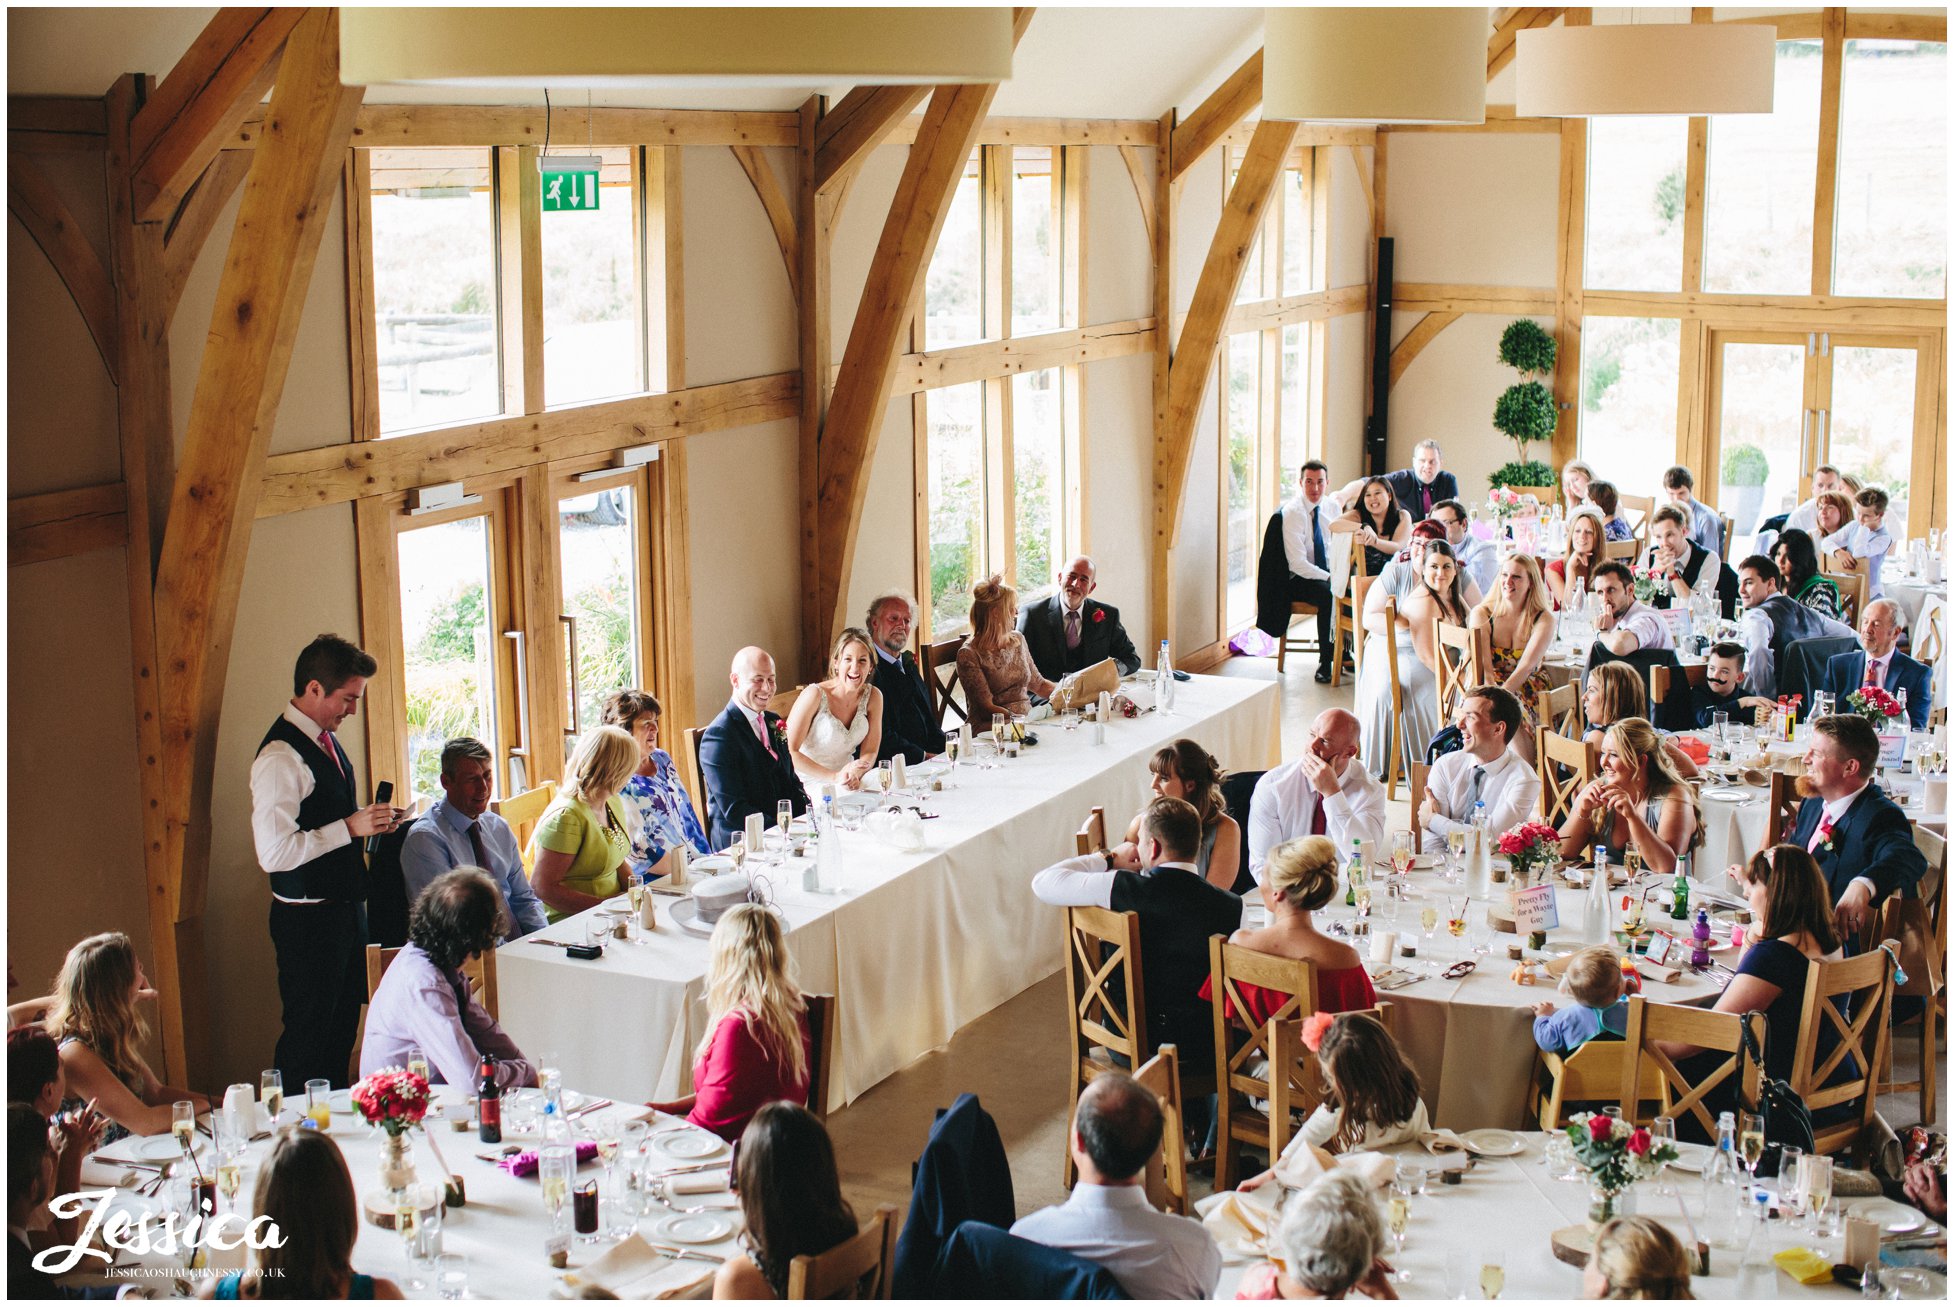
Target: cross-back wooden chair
x=1862, y=987
x=693, y=736
x=1421, y=775
x=1781, y=814
x=821, y=1067
x=861, y=1267
x=782, y=702
x=1092, y=836
x=1729, y=533
x=1241, y=1043
x=1719, y=1032
x=1399, y=753
x=1565, y=766
x=1852, y=593
x=1591, y=1073
x=1296, y=1085
x=1167, y=1168
x=1620, y=550
x=522, y=812
x=940, y=675
x=1349, y=625
x=1559, y=709
x=1661, y=677
x=1644, y=507
x=1465, y=660
x=479, y=969
x=1926, y=979
x=1105, y=1001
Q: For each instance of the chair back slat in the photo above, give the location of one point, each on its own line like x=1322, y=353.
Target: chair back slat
x=700, y=800
x=1167, y=1168
x=1399, y=751
x=1782, y=813
x=782, y=702
x=1105, y=1005
x=1092, y=835
x=861, y=1267
x=522, y=812
x=1643, y=508
x=821, y=1036
x=1850, y=1001
x=1421, y=776
x=1566, y=765
x=1465, y=659
x=1651, y=1024
x=940, y=675
x=1559, y=709
x=479, y=969
x=1852, y=593
x=1620, y=550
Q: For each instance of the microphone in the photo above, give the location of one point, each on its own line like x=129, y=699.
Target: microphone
x=382, y=793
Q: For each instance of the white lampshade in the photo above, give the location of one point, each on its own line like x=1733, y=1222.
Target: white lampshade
x=599, y=48
x=1375, y=65
x=1658, y=68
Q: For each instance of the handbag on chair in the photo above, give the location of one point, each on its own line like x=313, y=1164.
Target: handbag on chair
x=1787, y=1121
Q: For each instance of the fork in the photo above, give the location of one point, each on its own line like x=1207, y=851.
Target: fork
x=658, y=1193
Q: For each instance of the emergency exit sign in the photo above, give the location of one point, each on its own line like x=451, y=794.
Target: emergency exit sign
x=565, y=192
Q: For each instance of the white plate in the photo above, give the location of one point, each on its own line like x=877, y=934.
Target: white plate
x=1494, y=1143
x=1893, y=1218
x=1691, y=1157
x=695, y=1227
x=688, y=1144
x=164, y=1148
x=1726, y=795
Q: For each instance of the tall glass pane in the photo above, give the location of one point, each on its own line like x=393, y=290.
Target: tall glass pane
x=1757, y=215
x=1295, y=405
x=448, y=641
x=1038, y=480
x=956, y=502
x=597, y=537
x=1628, y=399
x=1760, y=430
x=1872, y=421
x=1244, y=423
x=434, y=293
x=1034, y=242
x=593, y=342
x=953, y=292
x=1296, y=232
x=1892, y=210
x=1252, y=287
x=1635, y=203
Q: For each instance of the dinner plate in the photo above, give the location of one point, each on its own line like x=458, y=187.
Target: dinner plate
x=1893, y=1218
x=164, y=1148
x=694, y=1227
x=1724, y=794
x=1488, y=1142
x=687, y=1143
x=1691, y=1157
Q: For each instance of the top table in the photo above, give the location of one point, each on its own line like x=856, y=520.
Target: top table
x=918, y=945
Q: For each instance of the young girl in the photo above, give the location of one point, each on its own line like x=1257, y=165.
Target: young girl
x=1373, y=1099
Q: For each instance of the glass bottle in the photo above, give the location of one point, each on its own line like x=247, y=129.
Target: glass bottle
x=1723, y=1188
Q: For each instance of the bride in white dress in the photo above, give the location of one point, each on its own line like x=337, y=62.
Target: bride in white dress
x=835, y=727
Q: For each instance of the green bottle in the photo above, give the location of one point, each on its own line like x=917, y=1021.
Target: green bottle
x=1680, y=909
x=1355, y=872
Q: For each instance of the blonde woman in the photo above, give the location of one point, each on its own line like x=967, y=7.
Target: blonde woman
x=1614, y=692
x=1297, y=881
x=1574, y=479
x=1185, y=770
x=100, y=1034
x=1585, y=536
x=1522, y=626
x=995, y=663
x=1639, y=798
x=835, y=727
x=305, y=1190
x=583, y=841
x=1636, y=1257
x=758, y=1049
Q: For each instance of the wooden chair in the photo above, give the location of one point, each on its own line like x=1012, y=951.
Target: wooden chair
x=940, y=675
x=821, y=1036
x=782, y=702
x=1349, y=627
x=1105, y=1003
x=1929, y=640
x=1296, y=1085
x=1927, y=983
x=1565, y=766
x=1559, y=709
x=1852, y=593
x=1421, y=775
x=1781, y=816
x=1865, y=986
x=480, y=970
x=1721, y=1032
x=1645, y=506
x=700, y=799
x=1465, y=660
x=1592, y=1073
x=861, y=1267
x=1660, y=677
x=1624, y=551
x=1729, y=534
x=1167, y=1168
x=1400, y=751
x=1092, y=836
x=1301, y=644
x=1239, y=1041
x=522, y=812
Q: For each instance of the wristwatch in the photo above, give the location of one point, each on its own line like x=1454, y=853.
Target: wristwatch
x=1111, y=863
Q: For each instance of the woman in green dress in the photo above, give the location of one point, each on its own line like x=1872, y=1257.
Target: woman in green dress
x=582, y=843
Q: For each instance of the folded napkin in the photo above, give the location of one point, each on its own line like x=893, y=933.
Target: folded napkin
x=1650, y=971
x=1697, y=748
x=1445, y=1141
x=1242, y=1220
x=634, y=1269
x=523, y=1165
x=1301, y=1167
x=1804, y=1265
x=1134, y=700
x=699, y=1182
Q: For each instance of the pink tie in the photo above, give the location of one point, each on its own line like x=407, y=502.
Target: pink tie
x=331, y=746
x=1873, y=671
x=760, y=725
x=1819, y=836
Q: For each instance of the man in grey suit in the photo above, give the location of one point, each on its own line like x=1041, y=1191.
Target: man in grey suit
x=1069, y=631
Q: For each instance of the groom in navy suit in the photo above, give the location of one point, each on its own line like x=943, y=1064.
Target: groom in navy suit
x=1859, y=837
x=1891, y=670
x=748, y=767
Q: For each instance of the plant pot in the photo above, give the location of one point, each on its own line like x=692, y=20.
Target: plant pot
x=1744, y=502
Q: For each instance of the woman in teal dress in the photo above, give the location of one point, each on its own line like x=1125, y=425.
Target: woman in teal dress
x=307, y=1192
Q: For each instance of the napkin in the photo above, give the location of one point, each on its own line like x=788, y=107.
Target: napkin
x=1804, y=1265
x=523, y=1165
x=1445, y=1141
x=634, y=1269
x=700, y=1182
x=1242, y=1220
x=1650, y=971
x=1302, y=1167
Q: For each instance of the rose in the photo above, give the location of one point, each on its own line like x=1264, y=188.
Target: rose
x=1599, y=1128
x=1639, y=1142
x=1099, y=615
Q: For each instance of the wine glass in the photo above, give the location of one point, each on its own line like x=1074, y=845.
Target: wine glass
x=183, y=1124
x=1455, y=925
x=417, y=1060
x=1492, y=1273
x=1791, y=1179
x=1428, y=918
x=1750, y=1142
x=417, y=1219
x=1397, y=1212
x=271, y=1092
x=1663, y=1131
x=783, y=813
x=1818, y=1191
x=554, y=1167
x=610, y=1142
x=1455, y=842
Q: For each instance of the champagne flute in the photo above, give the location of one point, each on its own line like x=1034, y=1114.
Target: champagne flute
x=783, y=813
x=1397, y=1211
x=417, y=1062
x=271, y=1092
x=230, y=1173
x=1818, y=1191
x=1492, y=1273
x=553, y=1167
x=1428, y=918
x=1750, y=1142
x=183, y=1124
x=1401, y=852
x=610, y=1142
x=1455, y=841
x=1663, y=1131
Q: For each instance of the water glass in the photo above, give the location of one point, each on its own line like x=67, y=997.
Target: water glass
x=1791, y=1194
x=555, y=1166
x=451, y=1277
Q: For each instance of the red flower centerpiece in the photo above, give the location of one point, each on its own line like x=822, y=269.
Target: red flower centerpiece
x=1615, y=1154
x=1875, y=705
x=395, y=1100
x=1530, y=848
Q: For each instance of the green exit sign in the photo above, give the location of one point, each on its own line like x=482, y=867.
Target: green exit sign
x=564, y=192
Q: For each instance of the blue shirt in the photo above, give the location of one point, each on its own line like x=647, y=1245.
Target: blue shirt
x=1862, y=542
x=439, y=843
x=659, y=815
x=1705, y=527
x=1569, y=1028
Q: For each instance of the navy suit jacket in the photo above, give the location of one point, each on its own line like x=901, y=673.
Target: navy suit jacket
x=1405, y=485
x=1846, y=672
x=909, y=724
x=741, y=777
x=1100, y=637
x=963, y=1175
x=1875, y=840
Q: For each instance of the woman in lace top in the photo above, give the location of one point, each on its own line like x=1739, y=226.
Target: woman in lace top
x=995, y=664
x=835, y=728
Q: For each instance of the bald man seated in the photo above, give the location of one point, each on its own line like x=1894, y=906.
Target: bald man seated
x=744, y=755
x=1070, y=630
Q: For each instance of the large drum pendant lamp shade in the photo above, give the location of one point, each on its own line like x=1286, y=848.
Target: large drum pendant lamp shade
x=1656, y=68
x=598, y=48
x=1408, y=65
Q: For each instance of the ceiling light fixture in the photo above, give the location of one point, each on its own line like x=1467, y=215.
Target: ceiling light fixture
x=1652, y=68
x=1414, y=65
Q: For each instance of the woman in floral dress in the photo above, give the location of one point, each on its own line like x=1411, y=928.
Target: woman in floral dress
x=659, y=811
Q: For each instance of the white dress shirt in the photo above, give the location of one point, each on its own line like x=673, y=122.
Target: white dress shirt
x=1760, y=663
x=1086, y=881
x=1834, y=812
x=1297, y=541
x=1153, y=1254
x=1508, y=787
x=1803, y=518
x=1283, y=807
x=1856, y=539
x=280, y=781
x=1480, y=559
x=1647, y=625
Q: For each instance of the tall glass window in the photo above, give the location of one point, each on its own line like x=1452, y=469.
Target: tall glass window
x=1891, y=235
x=597, y=540
x=593, y=315
x=1038, y=480
x=953, y=289
x=1035, y=240
x=1244, y=425
x=1628, y=398
x=956, y=502
x=1757, y=213
x=447, y=626
x=1635, y=203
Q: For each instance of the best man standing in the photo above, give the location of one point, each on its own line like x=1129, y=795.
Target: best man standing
x=306, y=821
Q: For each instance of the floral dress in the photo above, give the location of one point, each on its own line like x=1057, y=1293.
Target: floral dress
x=1504, y=661
x=659, y=815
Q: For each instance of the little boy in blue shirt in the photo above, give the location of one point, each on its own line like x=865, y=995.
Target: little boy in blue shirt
x=1594, y=979
x=1722, y=690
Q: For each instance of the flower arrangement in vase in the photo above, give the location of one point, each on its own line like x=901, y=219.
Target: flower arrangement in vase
x=1615, y=1155
x=1530, y=848
x=1875, y=705
x=1651, y=584
x=395, y=1100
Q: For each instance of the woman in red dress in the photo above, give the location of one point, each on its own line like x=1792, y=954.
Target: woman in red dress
x=1300, y=877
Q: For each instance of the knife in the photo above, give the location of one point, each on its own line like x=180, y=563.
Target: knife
x=687, y=1254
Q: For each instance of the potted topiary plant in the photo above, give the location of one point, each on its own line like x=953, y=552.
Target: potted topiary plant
x=1525, y=412
x=1745, y=469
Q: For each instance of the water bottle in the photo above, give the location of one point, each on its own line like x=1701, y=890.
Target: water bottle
x=556, y=1126
x=827, y=848
x=1597, y=921
x=1757, y=1274
x=1723, y=1189
x=1164, y=686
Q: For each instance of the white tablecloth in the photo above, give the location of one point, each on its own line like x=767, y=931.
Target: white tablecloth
x=1512, y=1206
x=921, y=944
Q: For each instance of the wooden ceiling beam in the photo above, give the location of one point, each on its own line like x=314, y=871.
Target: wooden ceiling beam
x=63, y=523
x=240, y=382
x=221, y=78
x=780, y=213
x=33, y=200
x=1505, y=40
x=184, y=238
x=854, y=127
x=1230, y=103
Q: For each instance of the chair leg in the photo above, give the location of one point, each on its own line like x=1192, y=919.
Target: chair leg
x=1225, y=1148
x=1929, y=1064
x=1282, y=649
x=1068, y=1173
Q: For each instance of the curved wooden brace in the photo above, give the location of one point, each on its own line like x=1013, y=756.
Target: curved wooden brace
x=1136, y=168
x=41, y=210
x=190, y=228
x=1416, y=339
x=779, y=212
x=1217, y=116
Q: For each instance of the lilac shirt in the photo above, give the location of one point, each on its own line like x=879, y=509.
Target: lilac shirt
x=420, y=1006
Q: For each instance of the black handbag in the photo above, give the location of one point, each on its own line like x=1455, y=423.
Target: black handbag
x=1787, y=1121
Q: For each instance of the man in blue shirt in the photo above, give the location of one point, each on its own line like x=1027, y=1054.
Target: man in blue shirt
x=460, y=831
